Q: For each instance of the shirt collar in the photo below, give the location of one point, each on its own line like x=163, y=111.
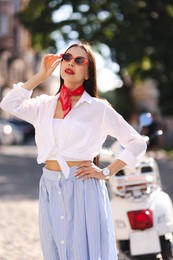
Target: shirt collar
x=85, y=98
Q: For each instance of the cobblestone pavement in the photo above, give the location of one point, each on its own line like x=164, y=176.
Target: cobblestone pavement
x=19, y=238
x=19, y=235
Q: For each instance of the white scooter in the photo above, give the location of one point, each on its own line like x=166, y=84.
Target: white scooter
x=142, y=211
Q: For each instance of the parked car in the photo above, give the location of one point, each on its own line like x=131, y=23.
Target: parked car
x=26, y=128
x=10, y=134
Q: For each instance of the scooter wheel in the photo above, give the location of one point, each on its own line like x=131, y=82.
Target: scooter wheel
x=166, y=248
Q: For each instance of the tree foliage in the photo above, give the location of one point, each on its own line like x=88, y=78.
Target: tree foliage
x=139, y=34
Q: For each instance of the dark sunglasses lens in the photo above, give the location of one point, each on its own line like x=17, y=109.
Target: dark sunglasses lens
x=66, y=57
x=79, y=60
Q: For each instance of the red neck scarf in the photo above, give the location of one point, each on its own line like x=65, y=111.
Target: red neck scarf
x=65, y=97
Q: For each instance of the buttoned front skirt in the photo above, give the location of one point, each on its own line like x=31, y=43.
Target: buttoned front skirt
x=75, y=218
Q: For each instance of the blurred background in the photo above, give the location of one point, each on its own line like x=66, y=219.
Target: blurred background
x=132, y=41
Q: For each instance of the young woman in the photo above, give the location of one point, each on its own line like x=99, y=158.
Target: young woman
x=74, y=213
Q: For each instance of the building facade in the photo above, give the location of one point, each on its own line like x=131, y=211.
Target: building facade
x=17, y=58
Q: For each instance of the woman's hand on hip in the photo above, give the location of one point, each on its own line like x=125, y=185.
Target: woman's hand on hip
x=89, y=170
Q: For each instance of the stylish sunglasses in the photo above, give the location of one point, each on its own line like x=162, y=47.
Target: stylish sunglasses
x=79, y=60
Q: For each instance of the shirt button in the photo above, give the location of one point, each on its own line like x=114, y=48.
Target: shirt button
x=59, y=176
x=59, y=192
x=62, y=242
x=62, y=217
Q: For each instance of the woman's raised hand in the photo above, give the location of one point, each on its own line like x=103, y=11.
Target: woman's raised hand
x=49, y=63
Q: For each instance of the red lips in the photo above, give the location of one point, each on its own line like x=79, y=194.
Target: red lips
x=69, y=71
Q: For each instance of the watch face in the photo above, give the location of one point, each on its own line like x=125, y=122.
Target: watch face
x=106, y=171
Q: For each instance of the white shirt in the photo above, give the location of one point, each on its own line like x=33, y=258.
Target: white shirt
x=82, y=132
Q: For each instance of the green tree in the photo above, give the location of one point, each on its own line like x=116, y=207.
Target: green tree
x=139, y=34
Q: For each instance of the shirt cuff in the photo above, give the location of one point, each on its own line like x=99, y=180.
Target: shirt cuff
x=25, y=92
x=128, y=158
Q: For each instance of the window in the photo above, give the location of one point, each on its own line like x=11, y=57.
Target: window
x=16, y=5
x=4, y=24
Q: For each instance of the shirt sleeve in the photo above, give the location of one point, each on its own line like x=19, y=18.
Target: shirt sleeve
x=18, y=102
x=133, y=143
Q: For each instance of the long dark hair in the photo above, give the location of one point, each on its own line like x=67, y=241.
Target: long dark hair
x=90, y=85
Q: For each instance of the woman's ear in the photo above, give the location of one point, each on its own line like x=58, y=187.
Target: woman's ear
x=86, y=75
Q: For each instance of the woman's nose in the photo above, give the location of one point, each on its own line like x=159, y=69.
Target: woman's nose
x=71, y=62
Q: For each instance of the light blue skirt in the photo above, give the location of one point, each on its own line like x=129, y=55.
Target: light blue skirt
x=75, y=218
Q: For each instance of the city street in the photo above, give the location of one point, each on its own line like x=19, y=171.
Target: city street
x=19, y=178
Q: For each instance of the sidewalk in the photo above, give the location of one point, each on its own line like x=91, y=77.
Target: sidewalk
x=19, y=235
x=19, y=238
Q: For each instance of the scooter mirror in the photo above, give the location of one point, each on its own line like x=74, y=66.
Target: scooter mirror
x=145, y=119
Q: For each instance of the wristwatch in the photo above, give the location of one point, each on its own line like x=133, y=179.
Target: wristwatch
x=106, y=173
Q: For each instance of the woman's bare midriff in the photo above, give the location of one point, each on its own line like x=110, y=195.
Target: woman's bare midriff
x=53, y=165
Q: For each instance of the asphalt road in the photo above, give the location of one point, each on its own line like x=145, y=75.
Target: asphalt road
x=19, y=180
x=19, y=173
x=166, y=173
